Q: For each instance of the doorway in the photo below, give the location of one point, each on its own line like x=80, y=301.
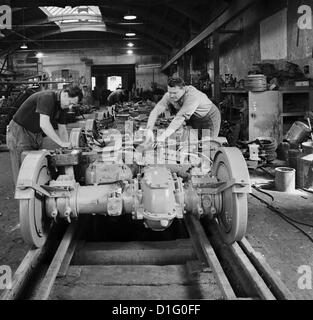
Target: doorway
x=107, y=78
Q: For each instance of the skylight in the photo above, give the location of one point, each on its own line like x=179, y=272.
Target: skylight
x=81, y=18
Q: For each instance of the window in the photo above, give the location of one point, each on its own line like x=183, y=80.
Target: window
x=114, y=82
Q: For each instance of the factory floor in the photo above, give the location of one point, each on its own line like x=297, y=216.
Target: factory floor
x=284, y=247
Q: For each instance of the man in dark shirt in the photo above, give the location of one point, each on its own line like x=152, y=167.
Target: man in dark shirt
x=36, y=116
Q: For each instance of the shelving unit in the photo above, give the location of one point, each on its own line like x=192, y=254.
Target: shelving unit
x=295, y=102
x=272, y=113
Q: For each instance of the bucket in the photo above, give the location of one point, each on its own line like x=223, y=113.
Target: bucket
x=307, y=148
x=285, y=179
x=297, y=133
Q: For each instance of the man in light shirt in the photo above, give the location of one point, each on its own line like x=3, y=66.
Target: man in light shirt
x=192, y=106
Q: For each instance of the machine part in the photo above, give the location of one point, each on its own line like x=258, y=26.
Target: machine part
x=85, y=200
x=34, y=223
x=159, y=205
x=232, y=208
x=192, y=199
x=91, y=126
x=100, y=172
x=254, y=152
x=66, y=158
x=77, y=138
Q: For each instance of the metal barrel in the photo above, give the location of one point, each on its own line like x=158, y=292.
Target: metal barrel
x=307, y=148
x=285, y=179
x=298, y=132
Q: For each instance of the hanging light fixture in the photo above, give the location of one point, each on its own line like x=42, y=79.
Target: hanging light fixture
x=130, y=44
x=130, y=51
x=130, y=17
x=24, y=46
x=130, y=34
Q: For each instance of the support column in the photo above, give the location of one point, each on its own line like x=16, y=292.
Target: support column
x=216, y=58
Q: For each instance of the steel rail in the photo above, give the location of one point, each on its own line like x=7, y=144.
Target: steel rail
x=253, y=269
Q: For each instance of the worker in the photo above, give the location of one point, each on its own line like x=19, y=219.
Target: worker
x=37, y=115
x=117, y=96
x=87, y=97
x=191, y=106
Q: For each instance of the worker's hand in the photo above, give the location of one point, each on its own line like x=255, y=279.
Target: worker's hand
x=160, y=139
x=66, y=145
x=149, y=137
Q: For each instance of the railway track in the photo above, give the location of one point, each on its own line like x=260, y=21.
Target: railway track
x=200, y=266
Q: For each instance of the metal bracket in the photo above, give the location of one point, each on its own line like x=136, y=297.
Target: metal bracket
x=219, y=187
x=35, y=187
x=51, y=192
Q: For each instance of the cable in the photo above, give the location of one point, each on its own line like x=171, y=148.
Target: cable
x=286, y=218
x=260, y=190
x=277, y=210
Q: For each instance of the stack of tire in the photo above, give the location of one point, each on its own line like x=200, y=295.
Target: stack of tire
x=267, y=148
x=256, y=83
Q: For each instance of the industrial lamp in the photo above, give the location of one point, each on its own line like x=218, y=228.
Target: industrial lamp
x=130, y=17
x=24, y=46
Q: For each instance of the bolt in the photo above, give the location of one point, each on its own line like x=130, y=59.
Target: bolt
x=164, y=223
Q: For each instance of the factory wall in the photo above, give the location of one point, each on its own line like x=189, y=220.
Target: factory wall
x=79, y=65
x=282, y=40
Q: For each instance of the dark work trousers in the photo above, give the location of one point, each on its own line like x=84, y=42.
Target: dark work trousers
x=211, y=122
x=18, y=140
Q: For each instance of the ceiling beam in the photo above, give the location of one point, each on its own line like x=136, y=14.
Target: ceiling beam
x=144, y=38
x=236, y=7
x=188, y=12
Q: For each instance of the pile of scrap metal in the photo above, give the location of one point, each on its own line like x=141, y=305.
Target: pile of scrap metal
x=77, y=111
x=297, y=150
x=259, y=151
x=106, y=117
x=123, y=178
x=276, y=78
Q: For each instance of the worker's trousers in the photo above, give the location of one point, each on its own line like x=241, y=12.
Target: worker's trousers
x=211, y=121
x=18, y=140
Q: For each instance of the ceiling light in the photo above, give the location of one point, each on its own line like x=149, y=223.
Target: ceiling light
x=130, y=17
x=24, y=46
x=130, y=51
x=130, y=34
x=130, y=44
x=39, y=55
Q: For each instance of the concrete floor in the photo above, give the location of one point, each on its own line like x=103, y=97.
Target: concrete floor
x=284, y=247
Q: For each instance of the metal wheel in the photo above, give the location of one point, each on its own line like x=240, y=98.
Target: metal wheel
x=233, y=210
x=34, y=224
